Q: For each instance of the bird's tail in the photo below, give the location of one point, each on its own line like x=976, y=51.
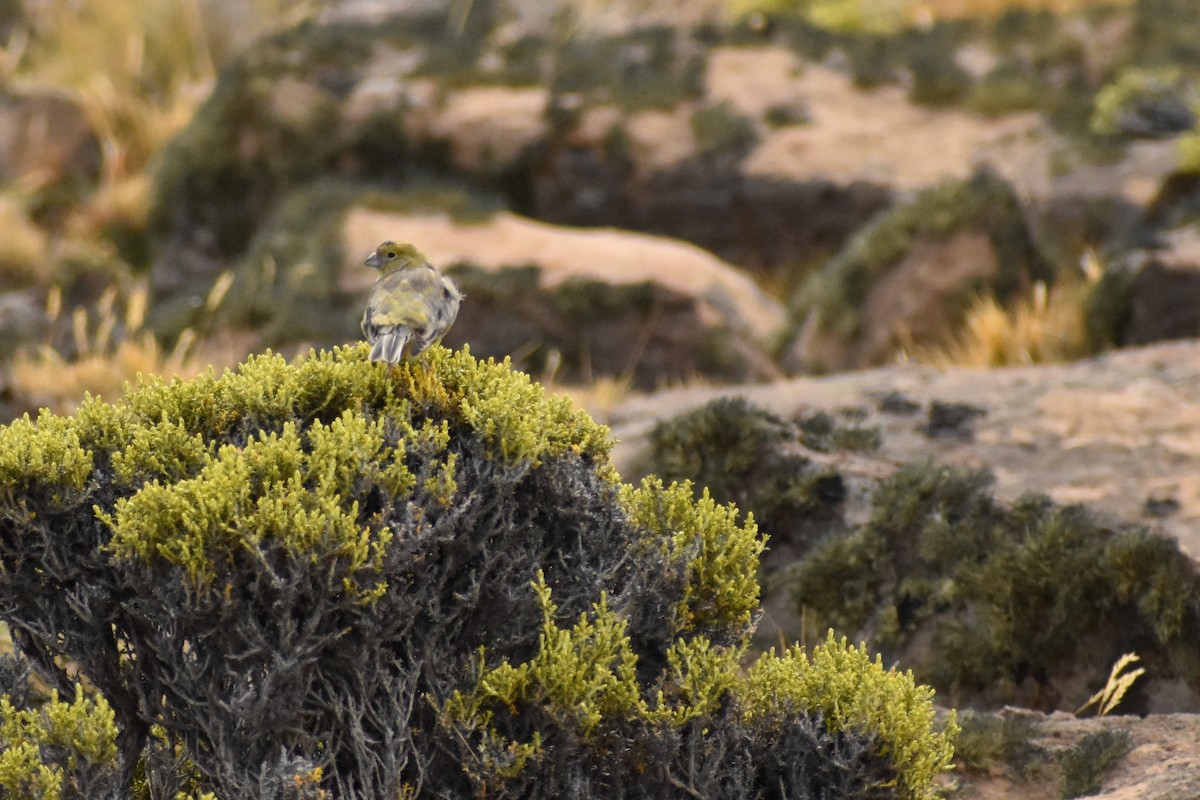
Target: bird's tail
x=389, y=346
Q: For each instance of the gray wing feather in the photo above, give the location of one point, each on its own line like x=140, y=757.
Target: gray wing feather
x=390, y=342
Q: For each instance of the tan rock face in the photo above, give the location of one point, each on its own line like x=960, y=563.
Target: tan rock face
x=610, y=302
x=489, y=126
x=1162, y=763
x=753, y=80
x=912, y=304
x=876, y=135
x=1113, y=431
x=46, y=136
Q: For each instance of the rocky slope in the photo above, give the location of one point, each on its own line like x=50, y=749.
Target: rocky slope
x=1119, y=432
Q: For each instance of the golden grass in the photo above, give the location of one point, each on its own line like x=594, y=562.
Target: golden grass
x=138, y=69
x=1045, y=327
x=953, y=9
x=110, y=348
x=23, y=247
x=599, y=398
x=884, y=16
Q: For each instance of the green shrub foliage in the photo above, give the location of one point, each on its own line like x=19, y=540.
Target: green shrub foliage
x=743, y=454
x=991, y=603
x=338, y=579
x=1009, y=602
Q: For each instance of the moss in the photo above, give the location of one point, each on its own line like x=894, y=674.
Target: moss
x=1165, y=33
x=1143, y=103
x=784, y=115
x=822, y=432
x=643, y=69
x=984, y=203
x=1085, y=765
x=937, y=79
x=1107, y=308
x=1008, y=88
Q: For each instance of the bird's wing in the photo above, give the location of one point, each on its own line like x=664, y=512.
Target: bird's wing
x=443, y=308
x=398, y=299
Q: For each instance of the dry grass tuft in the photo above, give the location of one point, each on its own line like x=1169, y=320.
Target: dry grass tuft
x=887, y=16
x=24, y=245
x=109, y=348
x=1047, y=326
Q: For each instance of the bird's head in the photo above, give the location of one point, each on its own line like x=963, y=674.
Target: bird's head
x=391, y=256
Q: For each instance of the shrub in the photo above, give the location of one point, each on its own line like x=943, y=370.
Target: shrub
x=1008, y=603
x=743, y=454
x=314, y=580
x=1085, y=765
x=1144, y=103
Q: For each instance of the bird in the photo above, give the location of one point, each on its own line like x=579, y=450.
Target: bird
x=411, y=305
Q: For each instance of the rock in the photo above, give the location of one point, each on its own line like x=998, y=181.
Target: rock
x=46, y=136
x=22, y=320
x=1164, y=300
x=905, y=280
x=1109, y=431
x=680, y=170
x=758, y=222
x=607, y=302
x=1028, y=756
x=485, y=129
x=872, y=135
x=1035, y=601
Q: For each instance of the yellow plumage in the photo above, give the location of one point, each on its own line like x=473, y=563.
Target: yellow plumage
x=411, y=306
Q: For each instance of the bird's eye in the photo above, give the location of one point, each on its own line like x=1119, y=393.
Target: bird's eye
x=391, y=254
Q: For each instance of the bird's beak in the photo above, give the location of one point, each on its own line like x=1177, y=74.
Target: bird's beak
x=374, y=261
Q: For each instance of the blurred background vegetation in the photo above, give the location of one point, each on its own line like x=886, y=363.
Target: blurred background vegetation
x=77, y=225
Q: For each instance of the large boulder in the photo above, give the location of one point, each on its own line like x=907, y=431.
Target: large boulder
x=569, y=302
x=588, y=302
x=907, y=278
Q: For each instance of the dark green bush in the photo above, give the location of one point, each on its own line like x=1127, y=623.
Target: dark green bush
x=743, y=454
x=336, y=579
x=1085, y=765
x=1004, y=597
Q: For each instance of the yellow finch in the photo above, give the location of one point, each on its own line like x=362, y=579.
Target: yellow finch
x=411, y=306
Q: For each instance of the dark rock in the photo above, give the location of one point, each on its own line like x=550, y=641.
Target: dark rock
x=1164, y=296
x=757, y=223
x=950, y=420
x=48, y=134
